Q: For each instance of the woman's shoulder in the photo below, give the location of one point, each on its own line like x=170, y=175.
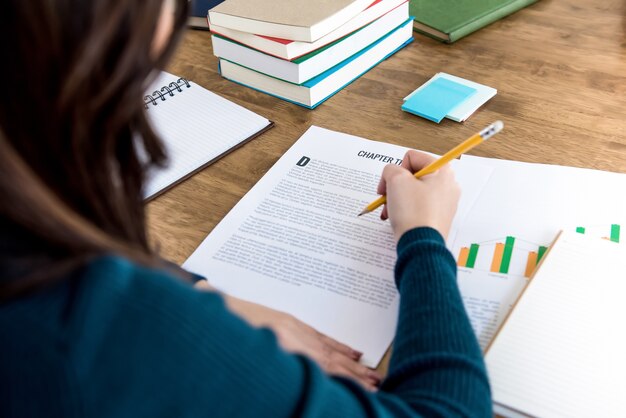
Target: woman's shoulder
x=121, y=273
x=159, y=327
x=106, y=297
x=118, y=292
x=121, y=278
x=129, y=331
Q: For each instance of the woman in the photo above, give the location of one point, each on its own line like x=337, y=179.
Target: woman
x=94, y=324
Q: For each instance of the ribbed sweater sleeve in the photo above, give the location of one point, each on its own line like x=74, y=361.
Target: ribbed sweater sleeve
x=436, y=365
x=126, y=341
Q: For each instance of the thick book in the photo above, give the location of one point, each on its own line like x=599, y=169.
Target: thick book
x=315, y=63
x=450, y=20
x=197, y=128
x=199, y=15
x=290, y=50
x=315, y=91
x=561, y=350
x=298, y=20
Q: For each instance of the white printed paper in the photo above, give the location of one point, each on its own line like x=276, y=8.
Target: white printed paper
x=294, y=242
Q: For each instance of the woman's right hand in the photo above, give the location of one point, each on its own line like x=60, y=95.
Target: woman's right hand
x=428, y=201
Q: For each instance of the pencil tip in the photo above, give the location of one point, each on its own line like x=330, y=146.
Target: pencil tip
x=363, y=213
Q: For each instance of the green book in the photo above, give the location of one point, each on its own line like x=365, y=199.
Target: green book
x=450, y=20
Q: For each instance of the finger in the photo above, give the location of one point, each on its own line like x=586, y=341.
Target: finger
x=395, y=177
x=339, y=364
x=366, y=384
x=341, y=348
x=447, y=170
x=389, y=171
x=416, y=160
x=202, y=284
x=382, y=186
x=444, y=174
x=359, y=372
x=344, y=372
x=384, y=215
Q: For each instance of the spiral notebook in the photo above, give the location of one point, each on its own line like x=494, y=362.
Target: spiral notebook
x=197, y=127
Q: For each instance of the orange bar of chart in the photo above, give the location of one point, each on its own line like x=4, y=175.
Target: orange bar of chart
x=531, y=263
x=463, y=255
x=497, y=258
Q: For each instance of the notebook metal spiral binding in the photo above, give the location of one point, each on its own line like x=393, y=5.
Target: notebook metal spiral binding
x=164, y=91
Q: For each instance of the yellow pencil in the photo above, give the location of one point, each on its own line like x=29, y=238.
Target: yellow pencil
x=455, y=152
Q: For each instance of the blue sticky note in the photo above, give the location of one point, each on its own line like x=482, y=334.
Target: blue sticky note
x=437, y=99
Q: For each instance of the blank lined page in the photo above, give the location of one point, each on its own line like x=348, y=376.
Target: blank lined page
x=196, y=125
x=562, y=351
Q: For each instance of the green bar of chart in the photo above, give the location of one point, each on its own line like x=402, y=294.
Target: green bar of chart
x=473, y=253
x=580, y=230
x=542, y=250
x=615, y=230
x=507, y=254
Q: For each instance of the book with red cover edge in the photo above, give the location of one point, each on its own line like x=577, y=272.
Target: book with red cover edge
x=288, y=41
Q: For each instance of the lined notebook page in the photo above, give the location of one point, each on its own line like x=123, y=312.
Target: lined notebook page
x=197, y=126
x=562, y=351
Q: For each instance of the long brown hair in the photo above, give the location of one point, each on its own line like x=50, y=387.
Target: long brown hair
x=72, y=121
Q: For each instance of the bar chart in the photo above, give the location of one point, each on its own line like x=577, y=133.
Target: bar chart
x=467, y=256
x=610, y=233
x=501, y=253
x=506, y=234
x=534, y=257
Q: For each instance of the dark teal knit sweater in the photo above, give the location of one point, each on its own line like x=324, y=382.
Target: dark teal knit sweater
x=119, y=340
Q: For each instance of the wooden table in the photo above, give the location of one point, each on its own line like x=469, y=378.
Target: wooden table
x=559, y=67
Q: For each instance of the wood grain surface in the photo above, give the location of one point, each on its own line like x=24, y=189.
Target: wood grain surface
x=559, y=67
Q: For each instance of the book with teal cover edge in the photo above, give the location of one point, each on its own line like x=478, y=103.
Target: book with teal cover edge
x=334, y=69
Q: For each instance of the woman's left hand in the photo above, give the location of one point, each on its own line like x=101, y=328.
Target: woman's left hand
x=297, y=337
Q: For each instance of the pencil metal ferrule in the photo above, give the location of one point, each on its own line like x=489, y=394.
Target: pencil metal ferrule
x=491, y=130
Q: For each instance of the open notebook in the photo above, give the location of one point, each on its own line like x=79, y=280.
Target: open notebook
x=562, y=350
x=197, y=127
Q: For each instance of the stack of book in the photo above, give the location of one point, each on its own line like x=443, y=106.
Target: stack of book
x=305, y=51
